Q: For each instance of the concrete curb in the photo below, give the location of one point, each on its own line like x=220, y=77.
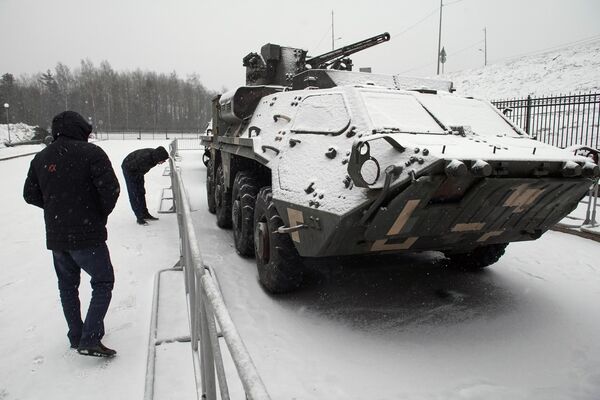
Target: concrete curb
x=17, y=156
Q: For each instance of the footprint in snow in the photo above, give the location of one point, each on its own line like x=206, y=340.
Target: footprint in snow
x=105, y=363
x=121, y=327
x=30, y=332
x=37, y=361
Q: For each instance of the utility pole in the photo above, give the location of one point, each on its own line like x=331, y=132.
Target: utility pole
x=332, y=33
x=485, y=46
x=439, y=39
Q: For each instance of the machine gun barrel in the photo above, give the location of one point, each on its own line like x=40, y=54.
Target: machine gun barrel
x=324, y=60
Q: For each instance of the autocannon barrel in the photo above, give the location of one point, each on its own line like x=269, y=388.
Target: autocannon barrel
x=326, y=59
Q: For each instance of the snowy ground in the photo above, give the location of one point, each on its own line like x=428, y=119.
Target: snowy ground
x=406, y=328
x=36, y=360
x=366, y=328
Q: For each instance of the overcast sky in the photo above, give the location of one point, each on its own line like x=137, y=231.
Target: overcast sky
x=210, y=38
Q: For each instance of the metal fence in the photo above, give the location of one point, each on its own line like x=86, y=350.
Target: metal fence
x=142, y=135
x=187, y=144
x=209, y=318
x=561, y=121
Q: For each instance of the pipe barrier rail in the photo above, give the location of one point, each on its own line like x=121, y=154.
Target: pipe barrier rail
x=209, y=317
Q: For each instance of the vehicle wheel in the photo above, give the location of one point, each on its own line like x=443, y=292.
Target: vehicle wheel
x=477, y=258
x=244, y=191
x=210, y=188
x=279, y=265
x=222, y=200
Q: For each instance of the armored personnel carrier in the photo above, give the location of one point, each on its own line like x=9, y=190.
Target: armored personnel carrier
x=311, y=159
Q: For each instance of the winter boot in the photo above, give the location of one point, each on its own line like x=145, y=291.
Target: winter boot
x=150, y=217
x=141, y=221
x=99, y=350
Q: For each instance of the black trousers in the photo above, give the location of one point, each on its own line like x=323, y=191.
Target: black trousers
x=68, y=265
x=137, y=193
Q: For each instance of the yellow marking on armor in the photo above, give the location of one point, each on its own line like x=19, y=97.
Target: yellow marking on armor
x=296, y=218
x=489, y=235
x=522, y=197
x=405, y=214
x=474, y=226
x=382, y=245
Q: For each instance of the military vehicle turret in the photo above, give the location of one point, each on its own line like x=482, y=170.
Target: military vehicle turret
x=311, y=159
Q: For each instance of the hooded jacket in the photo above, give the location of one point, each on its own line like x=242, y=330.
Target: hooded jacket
x=139, y=162
x=75, y=184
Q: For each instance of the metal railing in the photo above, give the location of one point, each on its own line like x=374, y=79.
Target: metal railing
x=209, y=317
x=145, y=135
x=187, y=144
x=561, y=121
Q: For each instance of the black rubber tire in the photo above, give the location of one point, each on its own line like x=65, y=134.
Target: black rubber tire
x=222, y=200
x=478, y=258
x=280, y=268
x=243, y=195
x=210, y=188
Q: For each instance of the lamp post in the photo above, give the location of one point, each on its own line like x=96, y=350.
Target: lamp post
x=6, y=105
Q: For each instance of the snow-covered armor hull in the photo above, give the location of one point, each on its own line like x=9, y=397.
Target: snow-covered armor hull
x=354, y=163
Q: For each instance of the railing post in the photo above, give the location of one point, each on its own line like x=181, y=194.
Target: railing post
x=528, y=115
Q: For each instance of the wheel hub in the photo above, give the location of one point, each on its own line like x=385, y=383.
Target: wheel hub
x=261, y=242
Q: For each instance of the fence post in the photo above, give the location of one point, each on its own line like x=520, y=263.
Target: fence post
x=528, y=114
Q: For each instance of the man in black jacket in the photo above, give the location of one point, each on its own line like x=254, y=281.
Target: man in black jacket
x=135, y=166
x=75, y=184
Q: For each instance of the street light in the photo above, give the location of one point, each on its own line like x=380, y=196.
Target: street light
x=6, y=105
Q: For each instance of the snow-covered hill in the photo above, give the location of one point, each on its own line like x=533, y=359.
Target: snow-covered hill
x=18, y=132
x=566, y=70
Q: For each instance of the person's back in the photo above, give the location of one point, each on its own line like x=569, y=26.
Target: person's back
x=142, y=160
x=74, y=183
x=135, y=166
x=79, y=191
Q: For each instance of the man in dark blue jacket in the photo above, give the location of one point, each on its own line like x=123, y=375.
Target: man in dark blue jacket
x=135, y=166
x=75, y=184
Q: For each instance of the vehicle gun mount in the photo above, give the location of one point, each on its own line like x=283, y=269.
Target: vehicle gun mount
x=277, y=65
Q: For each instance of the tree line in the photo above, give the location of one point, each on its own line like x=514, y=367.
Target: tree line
x=111, y=100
